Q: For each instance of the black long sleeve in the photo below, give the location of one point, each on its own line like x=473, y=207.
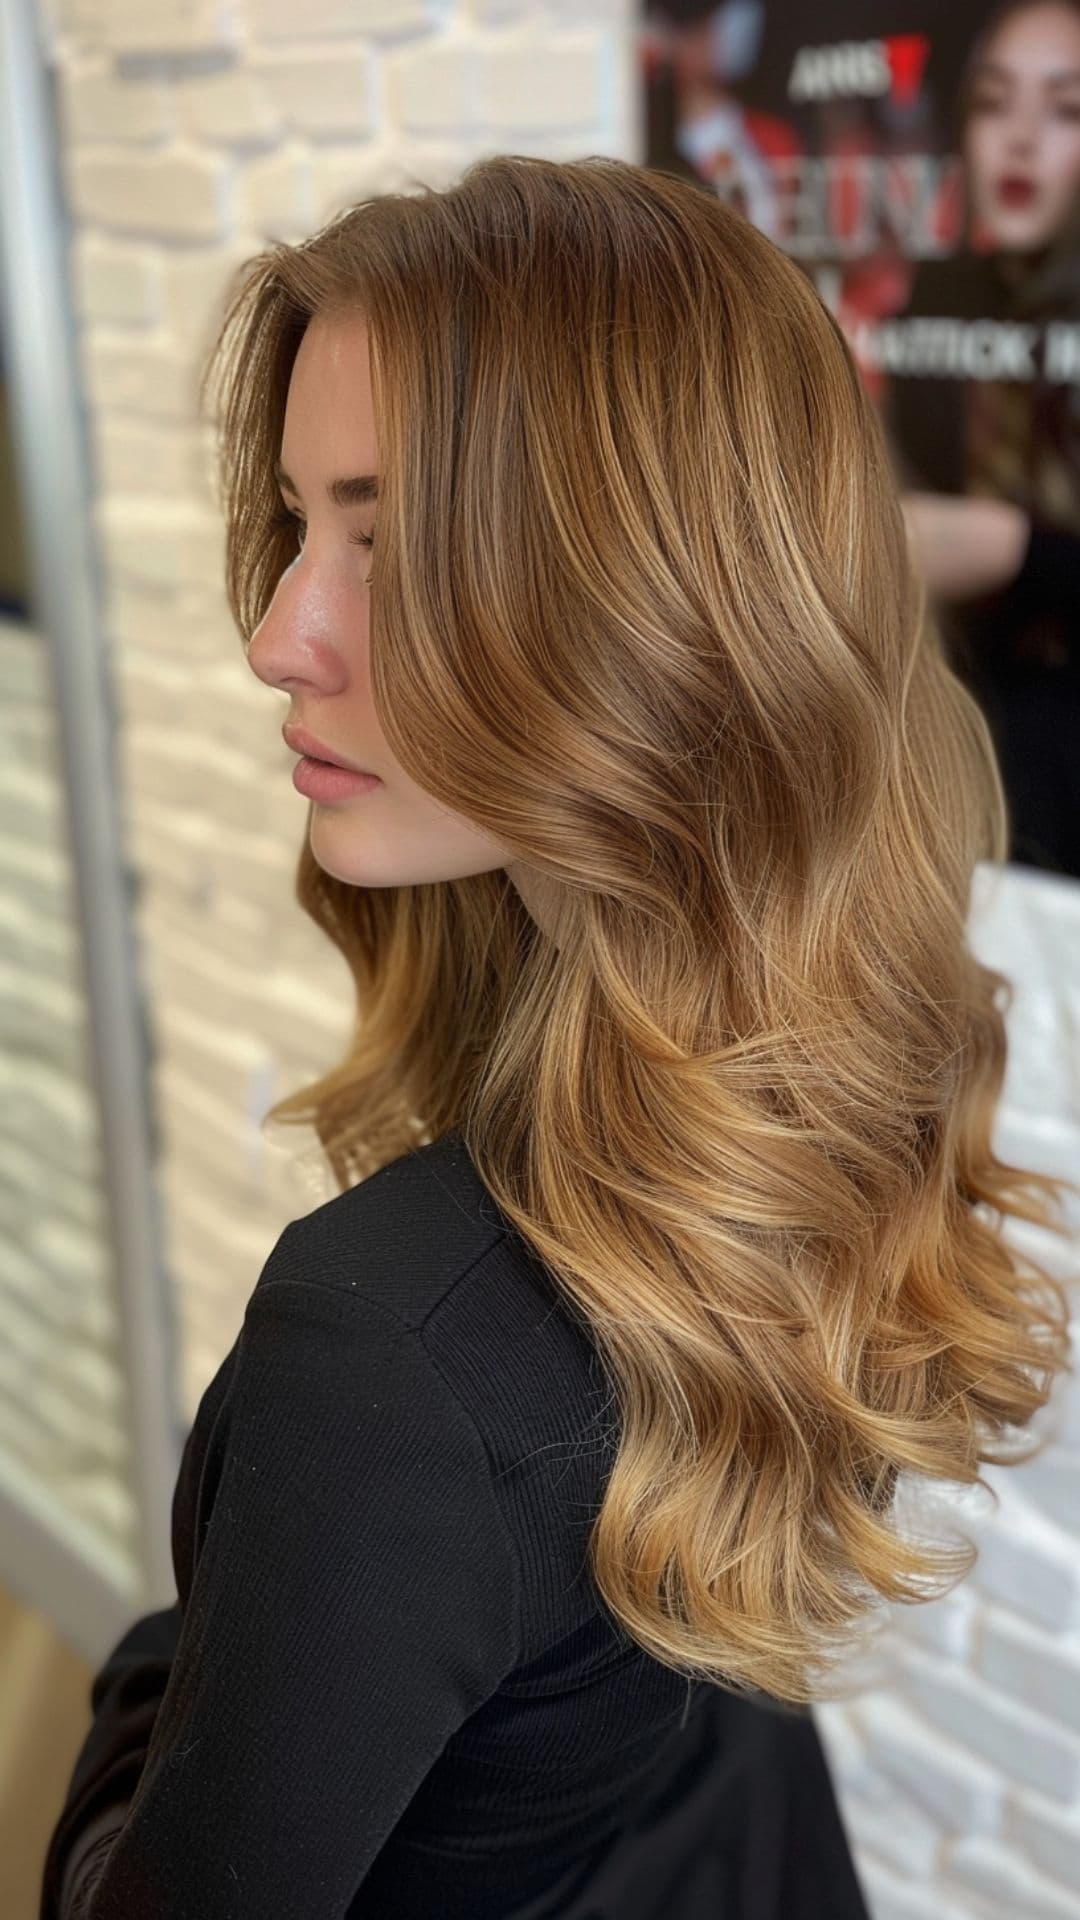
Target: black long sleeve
x=1038, y=608
x=124, y=1699
x=389, y=1689
x=353, y=1599
x=86, y=1862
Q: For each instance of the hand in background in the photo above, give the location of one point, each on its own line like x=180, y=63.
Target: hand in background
x=965, y=547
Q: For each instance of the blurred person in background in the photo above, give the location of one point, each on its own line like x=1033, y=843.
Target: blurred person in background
x=991, y=468
x=988, y=469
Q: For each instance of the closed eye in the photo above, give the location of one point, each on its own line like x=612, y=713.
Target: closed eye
x=287, y=518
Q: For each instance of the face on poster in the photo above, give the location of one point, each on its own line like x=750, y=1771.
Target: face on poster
x=875, y=141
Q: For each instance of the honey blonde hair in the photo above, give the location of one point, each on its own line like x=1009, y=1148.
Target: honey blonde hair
x=643, y=610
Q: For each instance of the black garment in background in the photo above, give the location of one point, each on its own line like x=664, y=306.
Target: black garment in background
x=1016, y=648
x=1017, y=651
x=389, y=1688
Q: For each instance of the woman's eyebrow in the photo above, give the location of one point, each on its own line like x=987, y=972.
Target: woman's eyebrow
x=353, y=492
x=1061, y=77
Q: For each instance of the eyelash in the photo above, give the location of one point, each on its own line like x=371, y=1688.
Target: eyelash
x=286, y=518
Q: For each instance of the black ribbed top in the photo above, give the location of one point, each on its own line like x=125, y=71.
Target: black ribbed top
x=388, y=1687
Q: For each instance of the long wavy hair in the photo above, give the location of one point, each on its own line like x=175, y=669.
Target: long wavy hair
x=643, y=610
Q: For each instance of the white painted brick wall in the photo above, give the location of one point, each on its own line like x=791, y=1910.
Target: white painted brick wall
x=973, y=1719
x=190, y=133
x=62, y=1401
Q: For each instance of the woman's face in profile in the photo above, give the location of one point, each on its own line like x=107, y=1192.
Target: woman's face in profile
x=1022, y=137
x=314, y=640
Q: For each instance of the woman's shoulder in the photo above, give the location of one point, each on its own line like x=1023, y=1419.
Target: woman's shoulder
x=422, y=1242
x=413, y=1289
x=401, y=1238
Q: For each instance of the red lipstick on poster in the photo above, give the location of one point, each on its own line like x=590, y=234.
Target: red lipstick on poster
x=1015, y=190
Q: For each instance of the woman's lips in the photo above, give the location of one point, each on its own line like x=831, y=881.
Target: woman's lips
x=1014, y=191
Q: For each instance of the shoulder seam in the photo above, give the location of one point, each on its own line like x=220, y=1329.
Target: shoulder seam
x=287, y=1284
x=265, y=1285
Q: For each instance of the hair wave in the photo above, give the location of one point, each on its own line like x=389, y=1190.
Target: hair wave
x=640, y=548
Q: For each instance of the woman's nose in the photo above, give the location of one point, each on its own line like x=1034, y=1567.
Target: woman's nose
x=276, y=652
x=263, y=650
x=293, y=641
x=1022, y=127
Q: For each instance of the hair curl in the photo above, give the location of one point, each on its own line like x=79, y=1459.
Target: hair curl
x=640, y=549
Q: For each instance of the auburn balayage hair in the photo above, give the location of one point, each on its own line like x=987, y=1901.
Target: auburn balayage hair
x=643, y=610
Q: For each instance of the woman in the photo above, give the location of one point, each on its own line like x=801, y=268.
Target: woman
x=993, y=466
x=553, y=1471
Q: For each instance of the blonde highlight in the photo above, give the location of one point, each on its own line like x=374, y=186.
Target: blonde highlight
x=640, y=550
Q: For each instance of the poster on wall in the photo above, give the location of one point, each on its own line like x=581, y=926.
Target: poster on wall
x=921, y=163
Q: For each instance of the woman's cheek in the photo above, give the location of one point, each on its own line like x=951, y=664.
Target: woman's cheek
x=982, y=166
x=1063, y=169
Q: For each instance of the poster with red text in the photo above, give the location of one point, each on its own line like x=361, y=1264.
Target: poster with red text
x=921, y=162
